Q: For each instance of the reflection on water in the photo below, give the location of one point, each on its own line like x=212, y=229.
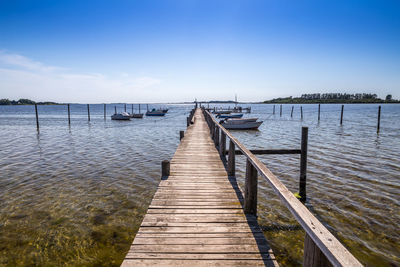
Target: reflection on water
x=76, y=195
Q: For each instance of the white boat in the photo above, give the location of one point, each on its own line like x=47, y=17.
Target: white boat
x=242, y=120
x=123, y=116
x=244, y=125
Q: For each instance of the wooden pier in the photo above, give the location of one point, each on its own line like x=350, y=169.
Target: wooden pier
x=200, y=217
x=196, y=216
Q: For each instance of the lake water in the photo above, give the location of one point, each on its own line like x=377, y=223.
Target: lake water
x=76, y=195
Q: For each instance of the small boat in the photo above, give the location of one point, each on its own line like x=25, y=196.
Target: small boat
x=136, y=115
x=229, y=116
x=242, y=120
x=123, y=116
x=241, y=125
x=165, y=110
x=155, y=112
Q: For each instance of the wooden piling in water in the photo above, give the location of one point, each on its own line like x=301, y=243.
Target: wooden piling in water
x=319, y=111
x=280, y=112
x=379, y=120
x=181, y=134
x=115, y=109
x=165, y=168
x=273, y=110
x=291, y=113
x=104, y=111
x=301, y=112
x=341, y=115
x=37, y=118
x=250, y=195
x=132, y=108
x=125, y=107
x=88, y=112
x=69, y=115
x=303, y=164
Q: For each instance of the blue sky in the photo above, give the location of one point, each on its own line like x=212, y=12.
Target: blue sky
x=161, y=51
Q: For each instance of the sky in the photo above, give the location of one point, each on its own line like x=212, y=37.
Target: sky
x=170, y=51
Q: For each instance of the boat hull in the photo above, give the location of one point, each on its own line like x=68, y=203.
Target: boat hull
x=231, y=116
x=242, y=126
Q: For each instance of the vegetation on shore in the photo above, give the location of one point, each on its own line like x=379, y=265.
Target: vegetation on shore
x=23, y=101
x=332, y=98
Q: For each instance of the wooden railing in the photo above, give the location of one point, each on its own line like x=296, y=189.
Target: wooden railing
x=321, y=248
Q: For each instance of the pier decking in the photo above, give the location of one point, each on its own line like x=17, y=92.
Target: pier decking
x=196, y=216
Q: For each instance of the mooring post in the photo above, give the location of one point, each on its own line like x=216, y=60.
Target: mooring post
x=280, y=112
x=319, y=111
x=37, y=118
x=301, y=112
x=379, y=119
x=341, y=115
x=181, y=134
x=104, y=111
x=250, y=196
x=165, y=168
x=291, y=113
x=115, y=109
x=231, y=159
x=222, y=144
x=187, y=121
x=88, y=112
x=132, y=108
x=69, y=115
x=303, y=164
x=125, y=107
x=273, y=110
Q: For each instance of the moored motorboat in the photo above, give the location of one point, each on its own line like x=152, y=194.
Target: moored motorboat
x=229, y=116
x=123, y=116
x=155, y=112
x=242, y=120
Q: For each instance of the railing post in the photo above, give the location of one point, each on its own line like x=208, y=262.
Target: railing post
x=303, y=164
x=222, y=144
x=313, y=256
x=187, y=121
x=231, y=159
x=216, y=138
x=181, y=135
x=250, y=196
x=165, y=168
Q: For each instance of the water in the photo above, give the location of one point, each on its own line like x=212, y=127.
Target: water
x=76, y=195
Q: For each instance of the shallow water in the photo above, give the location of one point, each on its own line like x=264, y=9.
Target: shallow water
x=76, y=195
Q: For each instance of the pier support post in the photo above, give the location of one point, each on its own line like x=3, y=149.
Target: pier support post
x=280, y=112
x=341, y=115
x=250, y=196
x=291, y=113
x=181, y=134
x=303, y=164
x=273, y=110
x=313, y=256
x=187, y=121
x=379, y=120
x=165, y=168
x=231, y=159
x=222, y=145
x=88, y=112
x=104, y=111
x=37, y=118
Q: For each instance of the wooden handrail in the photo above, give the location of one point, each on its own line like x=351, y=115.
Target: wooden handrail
x=329, y=246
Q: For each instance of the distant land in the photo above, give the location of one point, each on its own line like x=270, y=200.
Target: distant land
x=333, y=98
x=22, y=101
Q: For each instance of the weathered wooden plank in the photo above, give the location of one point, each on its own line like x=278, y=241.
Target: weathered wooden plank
x=177, y=261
